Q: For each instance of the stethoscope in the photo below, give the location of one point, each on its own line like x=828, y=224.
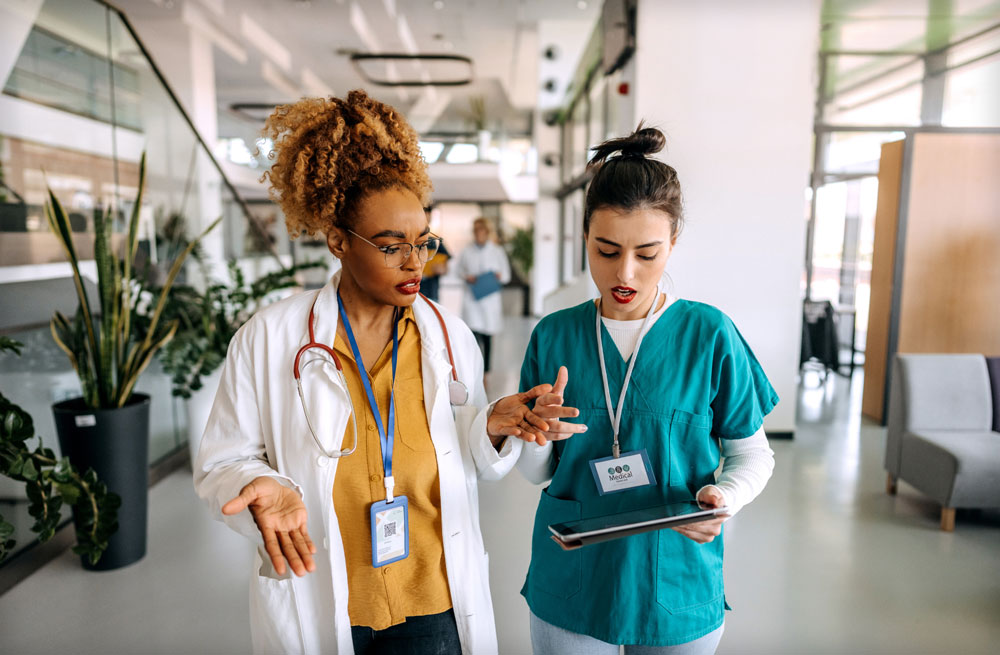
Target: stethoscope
x=458, y=393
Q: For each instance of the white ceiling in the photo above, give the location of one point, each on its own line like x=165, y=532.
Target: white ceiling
x=273, y=51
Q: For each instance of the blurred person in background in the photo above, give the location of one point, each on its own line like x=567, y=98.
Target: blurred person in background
x=435, y=267
x=485, y=269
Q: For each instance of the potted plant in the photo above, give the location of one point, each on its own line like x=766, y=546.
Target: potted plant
x=51, y=483
x=107, y=429
x=13, y=215
x=522, y=250
x=207, y=322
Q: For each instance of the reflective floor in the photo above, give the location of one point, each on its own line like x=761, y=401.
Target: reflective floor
x=823, y=562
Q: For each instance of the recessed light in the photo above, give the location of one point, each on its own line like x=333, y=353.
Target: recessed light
x=438, y=4
x=581, y=4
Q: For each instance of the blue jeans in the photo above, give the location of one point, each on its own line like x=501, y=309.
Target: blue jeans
x=435, y=634
x=547, y=639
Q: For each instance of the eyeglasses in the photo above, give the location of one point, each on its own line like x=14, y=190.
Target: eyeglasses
x=398, y=254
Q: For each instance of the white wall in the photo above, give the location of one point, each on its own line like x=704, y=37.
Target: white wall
x=731, y=83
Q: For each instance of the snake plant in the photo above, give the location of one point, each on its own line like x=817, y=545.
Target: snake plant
x=106, y=350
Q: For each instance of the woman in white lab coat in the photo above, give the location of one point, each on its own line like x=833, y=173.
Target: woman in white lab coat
x=484, y=257
x=287, y=430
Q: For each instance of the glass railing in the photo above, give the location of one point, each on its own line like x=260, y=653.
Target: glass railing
x=81, y=103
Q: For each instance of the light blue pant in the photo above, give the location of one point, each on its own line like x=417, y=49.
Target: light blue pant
x=547, y=639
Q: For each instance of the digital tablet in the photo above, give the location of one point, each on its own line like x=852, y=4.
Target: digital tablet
x=604, y=528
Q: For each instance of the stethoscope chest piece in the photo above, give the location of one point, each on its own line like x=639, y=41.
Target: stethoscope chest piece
x=458, y=393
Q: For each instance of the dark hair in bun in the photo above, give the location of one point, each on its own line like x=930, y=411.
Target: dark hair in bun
x=631, y=180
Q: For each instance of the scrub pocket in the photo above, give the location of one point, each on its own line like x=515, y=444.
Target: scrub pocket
x=690, y=447
x=688, y=574
x=554, y=571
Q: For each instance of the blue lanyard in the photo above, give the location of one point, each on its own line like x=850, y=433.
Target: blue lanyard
x=385, y=437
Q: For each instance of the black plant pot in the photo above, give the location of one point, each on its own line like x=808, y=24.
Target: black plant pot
x=13, y=217
x=115, y=443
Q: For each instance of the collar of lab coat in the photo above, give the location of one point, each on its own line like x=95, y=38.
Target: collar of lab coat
x=435, y=352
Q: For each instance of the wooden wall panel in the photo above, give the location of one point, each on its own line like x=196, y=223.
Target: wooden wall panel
x=883, y=260
x=951, y=277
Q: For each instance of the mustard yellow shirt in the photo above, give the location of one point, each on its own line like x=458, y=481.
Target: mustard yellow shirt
x=418, y=585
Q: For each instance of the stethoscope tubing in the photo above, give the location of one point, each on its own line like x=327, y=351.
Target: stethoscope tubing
x=457, y=391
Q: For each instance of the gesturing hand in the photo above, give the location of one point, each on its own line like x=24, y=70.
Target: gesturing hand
x=280, y=516
x=512, y=417
x=705, y=531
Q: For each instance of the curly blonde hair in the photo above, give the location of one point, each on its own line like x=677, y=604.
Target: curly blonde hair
x=330, y=153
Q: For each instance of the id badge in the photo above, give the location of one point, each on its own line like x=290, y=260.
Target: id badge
x=614, y=474
x=390, y=531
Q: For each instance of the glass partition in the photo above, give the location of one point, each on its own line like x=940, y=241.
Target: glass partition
x=81, y=103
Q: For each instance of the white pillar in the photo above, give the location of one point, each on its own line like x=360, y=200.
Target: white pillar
x=731, y=83
x=204, y=114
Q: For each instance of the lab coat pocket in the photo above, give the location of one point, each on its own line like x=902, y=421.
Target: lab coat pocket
x=689, y=441
x=274, y=624
x=688, y=574
x=555, y=571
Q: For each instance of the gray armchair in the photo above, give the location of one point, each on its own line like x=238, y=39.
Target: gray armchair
x=940, y=437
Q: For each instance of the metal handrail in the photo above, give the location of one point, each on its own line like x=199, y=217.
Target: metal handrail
x=255, y=224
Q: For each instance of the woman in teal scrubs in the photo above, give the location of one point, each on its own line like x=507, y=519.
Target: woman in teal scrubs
x=694, y=395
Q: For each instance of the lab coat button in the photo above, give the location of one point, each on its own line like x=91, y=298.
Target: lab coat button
x=322, y=461
x=326, y=543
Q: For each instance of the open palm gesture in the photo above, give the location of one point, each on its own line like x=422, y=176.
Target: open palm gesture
x=280, y=516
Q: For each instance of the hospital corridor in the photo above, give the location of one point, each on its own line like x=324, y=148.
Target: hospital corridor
x=500, y=327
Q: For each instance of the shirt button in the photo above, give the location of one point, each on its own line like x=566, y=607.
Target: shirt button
x=374, y=478
x=371, y=428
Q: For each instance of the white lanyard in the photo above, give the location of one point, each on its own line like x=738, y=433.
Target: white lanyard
x=616, y=416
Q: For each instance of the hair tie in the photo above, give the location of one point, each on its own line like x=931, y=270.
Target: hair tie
x=631, y=154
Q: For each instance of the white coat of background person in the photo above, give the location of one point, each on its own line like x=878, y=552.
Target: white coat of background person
x=484, y=316
x=269, y=471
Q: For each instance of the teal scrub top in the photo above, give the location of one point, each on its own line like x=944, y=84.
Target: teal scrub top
x=695, y=381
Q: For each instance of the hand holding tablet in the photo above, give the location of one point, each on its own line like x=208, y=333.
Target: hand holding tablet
x=584, y=532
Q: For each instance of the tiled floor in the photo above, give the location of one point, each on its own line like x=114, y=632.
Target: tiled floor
x=822, y=562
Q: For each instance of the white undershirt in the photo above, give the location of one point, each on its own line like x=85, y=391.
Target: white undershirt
x=626, y=333
x=747, y=463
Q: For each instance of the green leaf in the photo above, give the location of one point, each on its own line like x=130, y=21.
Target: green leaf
x=29, y=471
x=69, y=492
x=59, y=222
x=62, y=471
x=6, y=343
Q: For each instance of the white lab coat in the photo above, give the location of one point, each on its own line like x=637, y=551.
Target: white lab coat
x=257, y=427
x=484, y=315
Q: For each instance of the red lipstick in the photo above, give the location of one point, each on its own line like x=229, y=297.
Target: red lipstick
x=623, y=295
x=409, y=287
